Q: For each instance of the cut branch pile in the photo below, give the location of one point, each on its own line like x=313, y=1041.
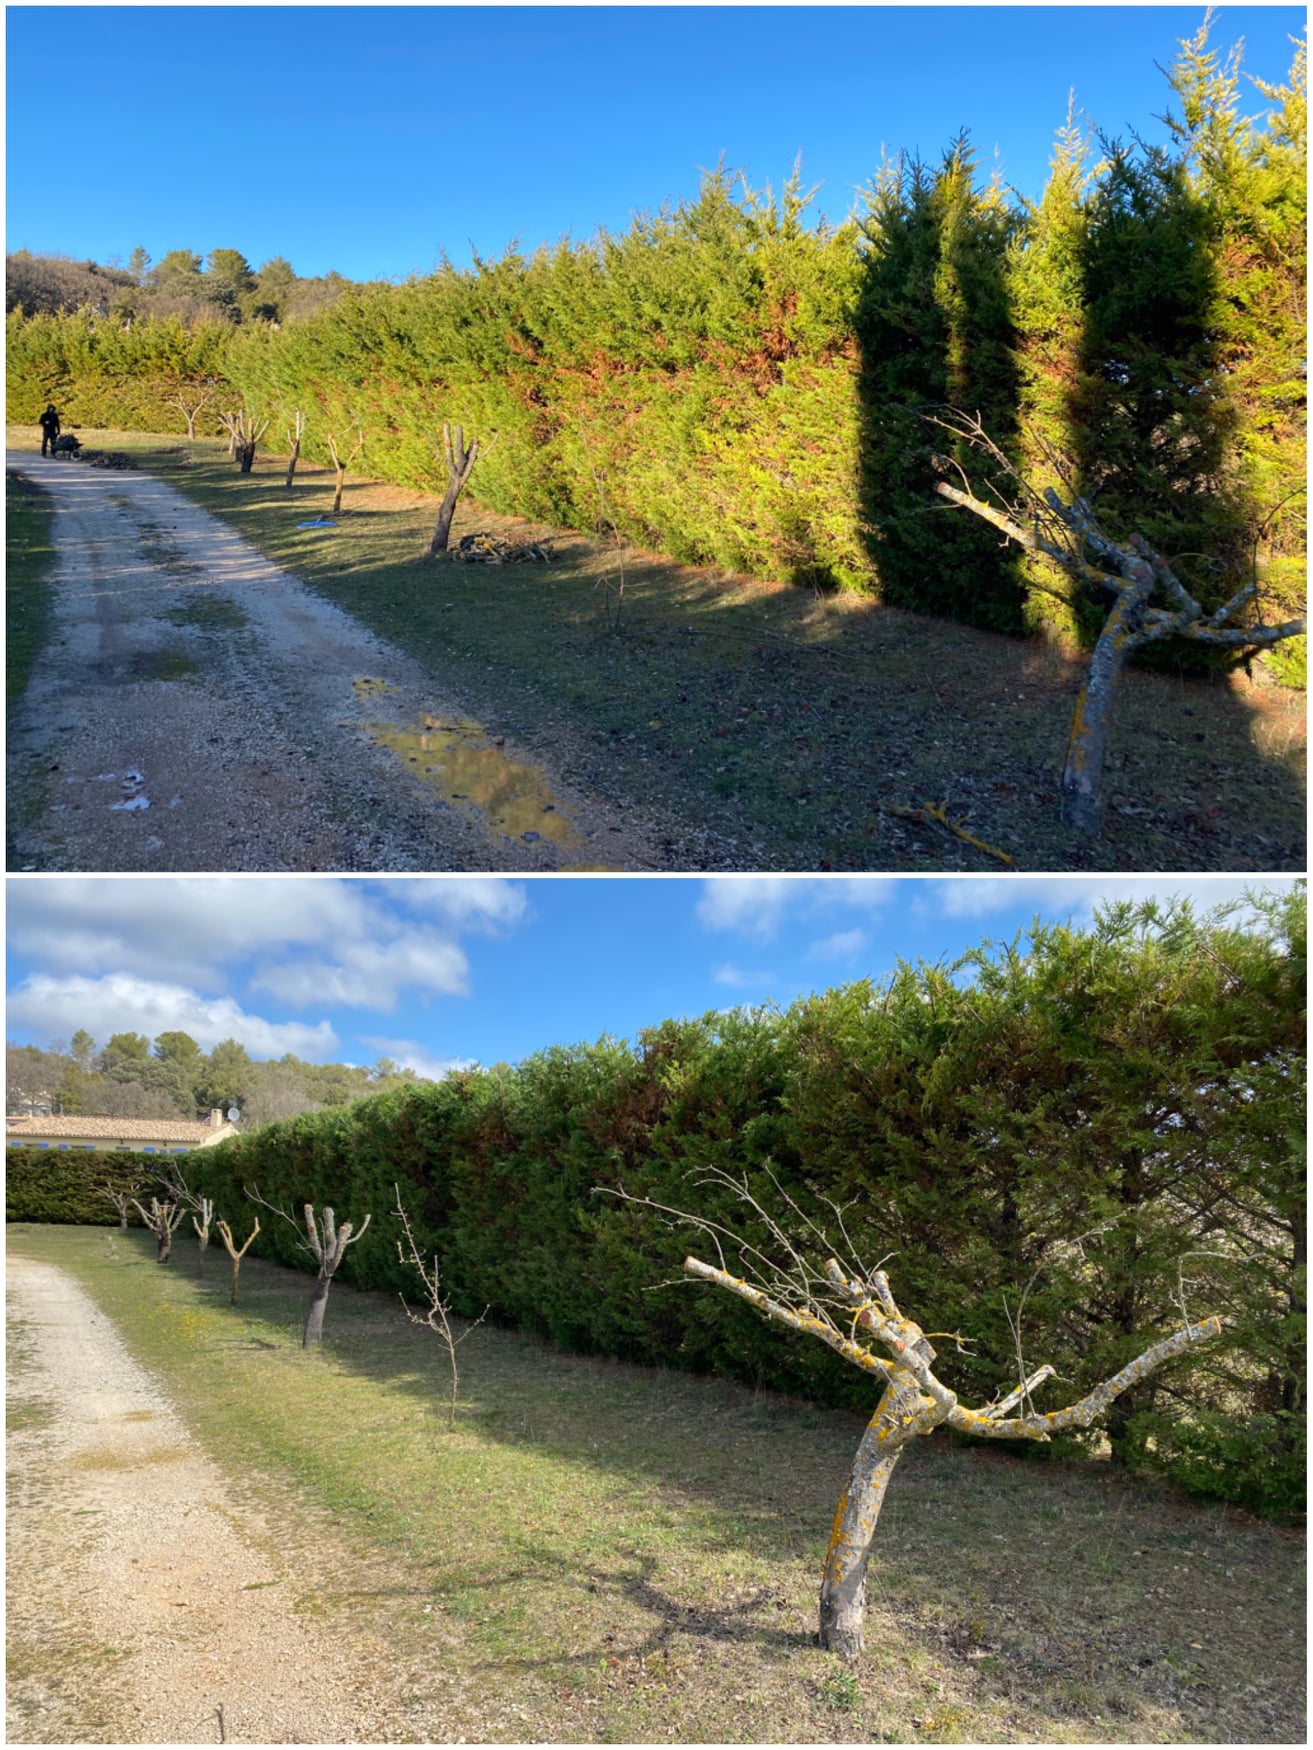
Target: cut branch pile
x=484, y=549
x=106, y=459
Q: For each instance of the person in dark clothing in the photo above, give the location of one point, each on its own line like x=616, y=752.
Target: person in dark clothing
x=49, y=429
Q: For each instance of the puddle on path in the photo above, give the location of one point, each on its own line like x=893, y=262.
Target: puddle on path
x=458, y=761
x=468, y=769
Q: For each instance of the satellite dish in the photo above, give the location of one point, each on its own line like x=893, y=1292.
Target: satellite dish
x=234, y=1113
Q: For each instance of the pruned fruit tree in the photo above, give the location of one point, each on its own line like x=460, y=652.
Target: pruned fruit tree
x=326, y=1242
x=1145, y=599
x=853, y=1310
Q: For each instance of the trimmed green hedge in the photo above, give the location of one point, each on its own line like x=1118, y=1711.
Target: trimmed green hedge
x=733, y=385
x=1087, y=1133
x=54, y=1184
x=1100, y=1122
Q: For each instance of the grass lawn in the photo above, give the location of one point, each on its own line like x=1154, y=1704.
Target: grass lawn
x=792, y=726
x=29, y=557
x=599, y=1552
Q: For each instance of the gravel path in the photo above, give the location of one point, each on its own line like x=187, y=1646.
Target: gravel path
x=200, y=709
x=140, y=1596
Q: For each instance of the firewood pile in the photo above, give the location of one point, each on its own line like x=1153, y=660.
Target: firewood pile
x=483, y=549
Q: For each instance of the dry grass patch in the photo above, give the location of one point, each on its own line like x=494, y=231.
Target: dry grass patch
x=605, y=1553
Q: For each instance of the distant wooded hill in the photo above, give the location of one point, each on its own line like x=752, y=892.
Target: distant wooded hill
x=223, y=286
x=132, y=1077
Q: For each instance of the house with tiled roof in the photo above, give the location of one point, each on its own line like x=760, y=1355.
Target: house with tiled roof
x=142, y=1135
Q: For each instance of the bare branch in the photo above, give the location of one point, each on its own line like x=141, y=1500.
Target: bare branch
x=436, y=1318
x=914, y=1401
x=1067, y=532
x=119, y=1198
x=163, y=1221
x=1088, y=1410
x=800, y=1319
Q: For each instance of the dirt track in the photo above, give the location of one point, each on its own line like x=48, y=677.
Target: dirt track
x=200, y=709
x=141, y=1595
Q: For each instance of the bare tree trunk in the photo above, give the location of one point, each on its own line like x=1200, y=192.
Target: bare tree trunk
x=120, y=1200
x=446, y=512
x=833, y=1304
x=1091, y=723
x=904, y=1411
x=295, y=433
x=236, y=1254
x=843, y=1587
x=327, y=1244
x=314, y=1316
x=163, y=1221
x=190, y=408
x=1131, y=571
x=340, y=465
x=201, y=1222
x=460, y=460
x=243, y=435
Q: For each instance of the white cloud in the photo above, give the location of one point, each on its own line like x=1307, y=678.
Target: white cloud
x=750, y=904
x=463, y=901
x=965, y=896
x=369, y=975
x=406, y=1054
x=310, y=942
x=51, y=1007
x=739, y=978
x=843, y=945
x=185, y=927
x=756, y=905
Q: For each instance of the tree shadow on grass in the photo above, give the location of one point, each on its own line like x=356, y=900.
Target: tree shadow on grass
x=807, y=720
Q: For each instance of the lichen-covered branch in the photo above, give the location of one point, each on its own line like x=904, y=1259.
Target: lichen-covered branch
x=798, y=1319
x=781, y=1281
x=1067, y=532
x=835, y=1302
x=1086, y=1412
x=914, y=1403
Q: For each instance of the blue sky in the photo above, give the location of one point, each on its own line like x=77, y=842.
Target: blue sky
x=435, y=970
x=368, y=140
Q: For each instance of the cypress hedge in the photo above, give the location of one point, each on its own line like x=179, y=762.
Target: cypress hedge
x=733, y=385
x=59, y=1185
x=1084, y=1136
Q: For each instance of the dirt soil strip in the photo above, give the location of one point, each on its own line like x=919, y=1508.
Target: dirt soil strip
x=139, y=1598
x=199, y=708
